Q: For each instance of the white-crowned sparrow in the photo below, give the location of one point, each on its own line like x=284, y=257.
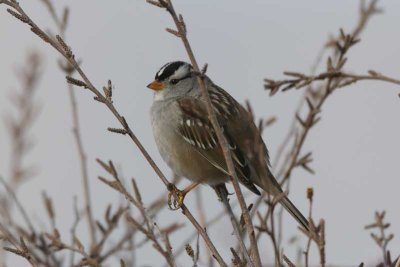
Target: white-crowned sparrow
x=187, y=142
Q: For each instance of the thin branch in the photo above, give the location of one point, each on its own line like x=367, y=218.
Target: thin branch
x=181, y=29
x=147, y=227
x=20, y=207
x=20, y=248
x=316, y=233
x=20, y=142
x=302, y=80
x=223, y=194
x=334, y=80
x=61, y=25
x=316, y=95
x=73, y=228
x=84, y=168
x=288, y=262
x=65, y=51
x=381, y=239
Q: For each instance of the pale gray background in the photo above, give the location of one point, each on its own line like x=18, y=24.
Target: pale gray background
x=356, y=145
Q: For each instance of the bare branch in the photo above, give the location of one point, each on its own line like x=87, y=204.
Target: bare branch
x=181, y=27
x=223, y=194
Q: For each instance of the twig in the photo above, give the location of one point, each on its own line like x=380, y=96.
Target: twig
x=202, y=220
x=318, y=95
x=181, y=29
x=18, y=129
x=237, y=261
x=288, y=262
x=66, y=52
x=73, y=228
x=223, y=194
x=333, y=82
x=270, y=229
x=316, y=98
x=302, y=80
x=20, y=248
x=112, y=223
x=48, y=204
x=118, y=246
x=316, y=233
x=207, y=225
x=84, y=169
x=61, y=25
x=148, y=229
x=381, y=239
x=20, y=207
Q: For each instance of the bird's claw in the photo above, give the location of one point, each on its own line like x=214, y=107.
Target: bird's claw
x=175, y=198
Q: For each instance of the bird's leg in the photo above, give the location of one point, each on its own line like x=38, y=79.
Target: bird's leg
x=176, y=196
x=221, y=191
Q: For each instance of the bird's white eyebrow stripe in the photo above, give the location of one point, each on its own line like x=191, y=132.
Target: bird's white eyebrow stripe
x=160, y=72
x=179, y=72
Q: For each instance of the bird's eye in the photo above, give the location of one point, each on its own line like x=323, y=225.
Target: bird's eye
x=174, y=81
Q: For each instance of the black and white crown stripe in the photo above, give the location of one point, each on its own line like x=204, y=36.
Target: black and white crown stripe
x=171, y=69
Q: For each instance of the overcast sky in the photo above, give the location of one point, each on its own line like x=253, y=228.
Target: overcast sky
x=355, y=146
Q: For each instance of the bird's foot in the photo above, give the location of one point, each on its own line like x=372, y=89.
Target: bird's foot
x=175, y=197
x=222, y=192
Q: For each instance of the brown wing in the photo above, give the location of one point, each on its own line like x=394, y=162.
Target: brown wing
x=197, y=130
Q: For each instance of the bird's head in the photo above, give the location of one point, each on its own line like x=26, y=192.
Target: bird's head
x=173, y=79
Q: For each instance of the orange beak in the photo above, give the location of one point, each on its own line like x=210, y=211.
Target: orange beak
x=156, y=85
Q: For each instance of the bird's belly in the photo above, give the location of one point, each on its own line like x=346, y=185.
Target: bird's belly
x=181, y=156
x=185, y=161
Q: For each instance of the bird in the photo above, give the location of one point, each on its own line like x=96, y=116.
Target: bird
x=187, y=141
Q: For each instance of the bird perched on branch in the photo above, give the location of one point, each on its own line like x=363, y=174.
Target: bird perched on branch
x=188, y=143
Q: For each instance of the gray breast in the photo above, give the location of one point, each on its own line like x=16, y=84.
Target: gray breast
x=181, y=157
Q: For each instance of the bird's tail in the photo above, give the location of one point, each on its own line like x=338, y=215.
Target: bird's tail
x=271, y=186
x=291, y=208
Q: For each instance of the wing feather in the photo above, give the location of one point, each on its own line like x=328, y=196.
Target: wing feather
x=197, y=130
